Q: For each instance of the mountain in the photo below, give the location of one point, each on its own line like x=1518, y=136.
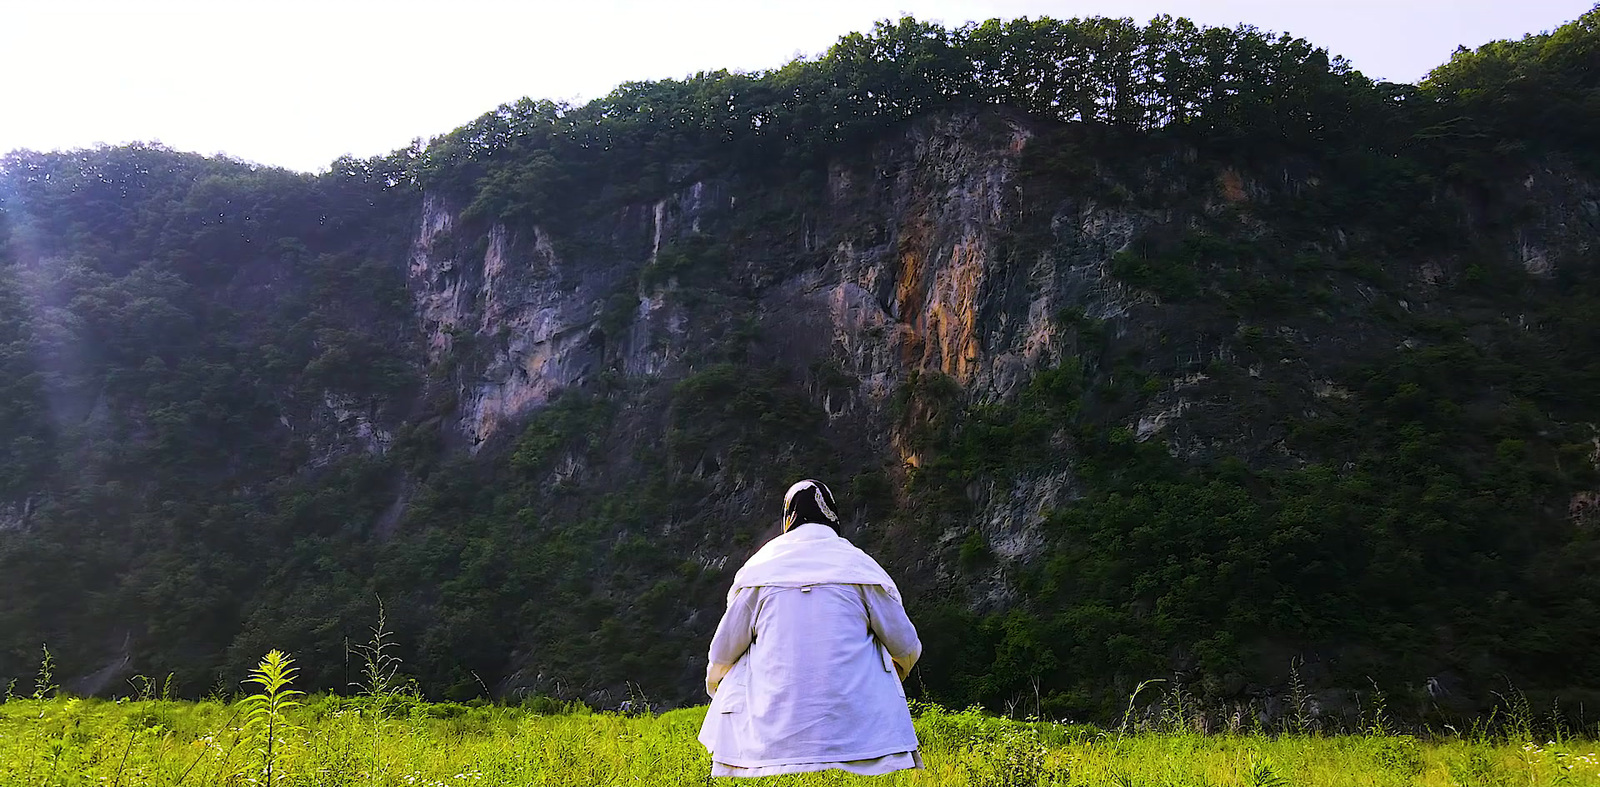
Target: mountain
x=1132, y=352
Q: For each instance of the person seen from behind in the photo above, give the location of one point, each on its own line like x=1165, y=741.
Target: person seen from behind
x=806, y=666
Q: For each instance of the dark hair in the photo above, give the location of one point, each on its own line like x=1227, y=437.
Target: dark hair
x=803, y=508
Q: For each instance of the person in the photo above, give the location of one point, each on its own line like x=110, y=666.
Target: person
x=806, y=666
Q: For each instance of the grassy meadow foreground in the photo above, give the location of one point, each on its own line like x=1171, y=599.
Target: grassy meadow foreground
x=336, y=741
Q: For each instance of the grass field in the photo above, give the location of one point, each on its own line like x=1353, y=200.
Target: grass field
x=335, y=741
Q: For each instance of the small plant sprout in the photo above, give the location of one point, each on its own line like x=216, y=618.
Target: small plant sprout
x=1378, y=724
x=44, y=685
x=1260, y=773
x=266, y=717
x=1127, y=716
x=380, y=666
x=144, y=688
x=1299, y=700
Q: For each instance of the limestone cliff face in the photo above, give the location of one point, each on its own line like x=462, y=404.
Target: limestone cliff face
x=937, y=284
x=936, y=253
x=1563, y=226
x=529, y=325
x=907, y=264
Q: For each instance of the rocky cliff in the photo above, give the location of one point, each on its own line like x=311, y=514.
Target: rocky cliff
x=902, y=294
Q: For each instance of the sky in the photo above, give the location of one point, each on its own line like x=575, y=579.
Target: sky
x=297, y=84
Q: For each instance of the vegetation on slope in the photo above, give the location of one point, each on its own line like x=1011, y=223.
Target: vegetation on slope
x=175, y=331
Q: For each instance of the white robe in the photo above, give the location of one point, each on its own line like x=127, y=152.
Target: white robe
x=806, y=664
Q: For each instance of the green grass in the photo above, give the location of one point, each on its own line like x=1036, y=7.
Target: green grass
x=335, y=741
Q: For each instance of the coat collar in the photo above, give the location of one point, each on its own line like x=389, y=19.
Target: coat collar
x=811, y=531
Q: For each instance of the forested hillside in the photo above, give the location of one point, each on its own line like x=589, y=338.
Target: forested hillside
x=1133, y=352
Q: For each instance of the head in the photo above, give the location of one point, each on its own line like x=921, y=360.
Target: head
x=809, y=501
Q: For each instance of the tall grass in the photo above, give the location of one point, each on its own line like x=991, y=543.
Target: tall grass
x=277, y=737
x=336, y=741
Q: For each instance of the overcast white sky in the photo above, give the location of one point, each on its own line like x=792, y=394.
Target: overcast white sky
x=297, y=84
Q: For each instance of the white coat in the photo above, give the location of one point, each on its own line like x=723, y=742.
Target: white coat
x=806, y=664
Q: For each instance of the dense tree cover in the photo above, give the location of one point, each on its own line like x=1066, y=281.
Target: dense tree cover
x=219, y=435
x=1541, y=93
x=1417, y=545
x=1238, y=92
x=175, y=322
x=1229, y=88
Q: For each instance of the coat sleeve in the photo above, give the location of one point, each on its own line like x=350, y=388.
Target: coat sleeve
x=733, y=637
x=891, y=626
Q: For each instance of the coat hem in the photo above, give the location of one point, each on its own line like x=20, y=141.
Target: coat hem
x=877, y=766
x=871, y=754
